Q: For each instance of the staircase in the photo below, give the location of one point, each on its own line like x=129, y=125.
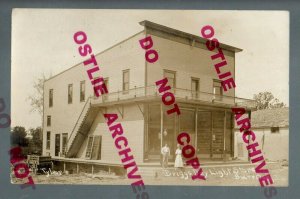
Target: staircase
x=81, y=129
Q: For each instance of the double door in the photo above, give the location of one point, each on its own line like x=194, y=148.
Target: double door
x=214, y=133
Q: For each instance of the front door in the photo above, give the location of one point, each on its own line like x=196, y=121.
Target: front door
x=210, y=130
x=204, y=134
x=218, y=134
x=57, y=144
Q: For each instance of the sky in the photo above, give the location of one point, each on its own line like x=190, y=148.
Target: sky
x=42, y=43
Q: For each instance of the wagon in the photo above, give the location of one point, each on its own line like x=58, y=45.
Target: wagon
x=37, y=163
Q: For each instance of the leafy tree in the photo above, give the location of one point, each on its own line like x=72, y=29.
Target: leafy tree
x=35, y=143
x=18, y=136
x=266, y=100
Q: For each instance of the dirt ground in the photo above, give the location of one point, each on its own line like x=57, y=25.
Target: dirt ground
x=279, y=175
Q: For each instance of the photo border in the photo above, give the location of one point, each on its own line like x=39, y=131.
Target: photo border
x=8, y=190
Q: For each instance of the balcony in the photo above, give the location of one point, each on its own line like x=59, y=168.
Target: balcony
x=150, y=93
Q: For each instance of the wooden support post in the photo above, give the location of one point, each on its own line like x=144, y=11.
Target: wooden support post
x=224, y=138
x=161, y=125
x=212, y=133
x=77, y=168
x=196, y=130
x=64, y=167
x=249, y=115
x=92, y=169
x=109, y=171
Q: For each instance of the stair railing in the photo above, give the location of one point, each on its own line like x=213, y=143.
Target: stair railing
x=85, y=105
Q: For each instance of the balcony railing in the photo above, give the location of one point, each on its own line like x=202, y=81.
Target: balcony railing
x=182, y=94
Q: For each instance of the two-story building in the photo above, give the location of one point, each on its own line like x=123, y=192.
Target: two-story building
x=75, y=130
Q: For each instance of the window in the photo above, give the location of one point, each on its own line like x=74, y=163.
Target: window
x=195, y=87
x=70, y=93
x=125, y=80
x=48, y=140
x=64, y=143
x=274, y=129
x=171, y=75
x=48, y=120
x=82, y=91
x=50, y=97
x=217, y=90
x=93, y=89
x=154, y=130
x=105, y=96
x=93, y=150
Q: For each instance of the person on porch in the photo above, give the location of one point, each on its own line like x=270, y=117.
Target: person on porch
x=178, y=160
x=165, y=151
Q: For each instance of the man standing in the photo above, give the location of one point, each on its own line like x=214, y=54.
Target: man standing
x=165, y=151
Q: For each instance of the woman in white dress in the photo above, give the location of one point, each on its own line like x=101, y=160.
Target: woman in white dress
x=178, y=160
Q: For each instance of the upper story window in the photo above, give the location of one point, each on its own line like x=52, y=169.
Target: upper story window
x=105, y=96
x=48, y=120
x=171, y=75
x=70, y=93
x=195, y=87
x=217, y=90
x=48, y=140
x=125, y=80
x=50, y=97
x=82, y=91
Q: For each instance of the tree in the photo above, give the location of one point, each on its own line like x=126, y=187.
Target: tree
x=266, y=100
x=37, y=99
x=35, y=143
x=18, y=136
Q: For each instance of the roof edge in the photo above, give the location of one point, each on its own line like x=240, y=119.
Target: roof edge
x=95, y=55
x=179, y=33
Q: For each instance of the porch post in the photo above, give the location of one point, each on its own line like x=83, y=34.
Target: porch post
x=249, y=115
x=161, y=125
x=196, y=130
x=211, y=134
x=224, y=137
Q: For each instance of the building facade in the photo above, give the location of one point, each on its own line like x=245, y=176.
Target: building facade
x=271, y=127
x=74, y=126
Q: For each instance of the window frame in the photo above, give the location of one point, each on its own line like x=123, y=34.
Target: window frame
x=63, y=148
x=51, y=91
x=48, y=120
x=88, y=152
x=195, y=95
x=82, y=96
x=106, y=82
x=123, y=82
x=174, y=81
x=216, y=96
x=90, y=148
x=70, y=97
x=48, y=141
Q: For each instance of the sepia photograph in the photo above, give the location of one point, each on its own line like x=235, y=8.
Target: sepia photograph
x=150, y=97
